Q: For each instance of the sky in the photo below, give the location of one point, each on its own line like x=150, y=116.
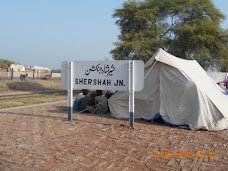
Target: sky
x=47, y=32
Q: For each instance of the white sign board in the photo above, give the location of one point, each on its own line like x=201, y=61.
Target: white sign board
x=103, y=75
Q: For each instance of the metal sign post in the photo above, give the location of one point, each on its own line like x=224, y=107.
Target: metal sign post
x=131, y=94
x=70, y=91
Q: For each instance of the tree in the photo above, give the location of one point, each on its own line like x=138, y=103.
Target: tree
x=5, y=63
x=187, y=29
x=138, y=31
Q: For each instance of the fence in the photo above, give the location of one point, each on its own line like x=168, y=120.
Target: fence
x=32, y=74
x=4, y=74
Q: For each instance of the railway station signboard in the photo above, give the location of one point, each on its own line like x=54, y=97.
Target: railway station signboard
x=118, y=75
x=103, y=75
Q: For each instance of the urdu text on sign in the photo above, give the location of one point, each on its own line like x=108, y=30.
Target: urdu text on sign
x=102, y=75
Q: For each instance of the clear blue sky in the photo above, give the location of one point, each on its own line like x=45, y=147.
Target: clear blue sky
x=47, y=32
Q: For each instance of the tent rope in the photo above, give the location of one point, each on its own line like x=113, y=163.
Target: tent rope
x=150, y=69
x=96, y=105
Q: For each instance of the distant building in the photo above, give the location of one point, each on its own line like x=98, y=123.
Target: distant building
x=38, y=68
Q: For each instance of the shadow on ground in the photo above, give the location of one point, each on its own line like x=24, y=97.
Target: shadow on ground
x=63, y=110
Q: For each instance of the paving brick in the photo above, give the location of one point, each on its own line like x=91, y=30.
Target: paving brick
x=171, y=161
x=40, y=138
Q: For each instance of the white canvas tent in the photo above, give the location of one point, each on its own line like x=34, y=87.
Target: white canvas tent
x=17, y=67
x=218, y=76
x=180, y=91
x=38, y=68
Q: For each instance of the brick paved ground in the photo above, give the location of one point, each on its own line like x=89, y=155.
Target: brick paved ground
x=40, y=138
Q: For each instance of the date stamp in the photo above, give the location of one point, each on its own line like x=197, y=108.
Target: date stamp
x=183, y=154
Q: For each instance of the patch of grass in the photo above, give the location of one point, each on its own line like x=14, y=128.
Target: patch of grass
x=13, y=87
x=31, y=85
x=32, y=100
x=55, y=94
x=3, y=86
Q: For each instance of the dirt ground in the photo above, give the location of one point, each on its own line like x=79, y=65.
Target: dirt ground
x=39, y=137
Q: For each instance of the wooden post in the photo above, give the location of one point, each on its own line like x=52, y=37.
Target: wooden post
x=12, y=74
x=33, y=73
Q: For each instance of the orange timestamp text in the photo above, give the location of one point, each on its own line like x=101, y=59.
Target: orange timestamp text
x=183, y=154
